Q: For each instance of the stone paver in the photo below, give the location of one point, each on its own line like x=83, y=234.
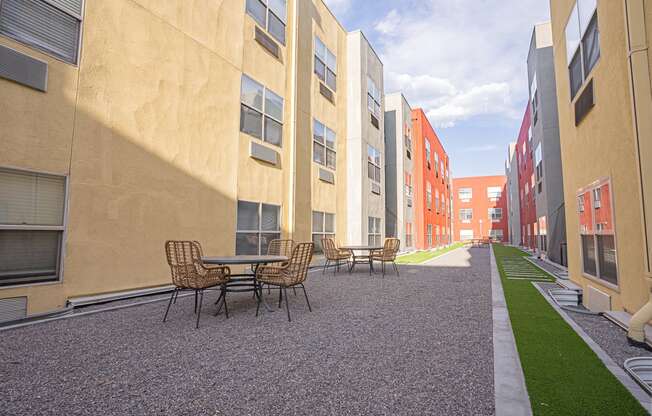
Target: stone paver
x=418, y=344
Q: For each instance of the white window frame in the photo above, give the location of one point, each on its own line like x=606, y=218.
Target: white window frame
x=492, y=194
x=377, y=232
x=264, y=114
x=328, y=55
x=259, y=231
x=374, y=158
x=268, y=10
x=465, y=191
x=373, y=98
x=495, y=214
x=580, y=30
x=325, y=145
x=324, y=233
x=63, y=229
x=466, y=215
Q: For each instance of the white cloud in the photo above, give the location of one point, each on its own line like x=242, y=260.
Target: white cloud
x=459, y=59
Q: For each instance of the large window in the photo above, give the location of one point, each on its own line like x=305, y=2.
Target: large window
x=408, y=188
x=436, y=165
x=261, y=112
x=323, y=146
x=466, y=235
x=495, y=214
x=496, y=235
x=582, y=42
x=408, y=234
x=427, y=153
x=375, y=235
x=465, y=194
x=428, y=195
x=270, y=14
x=598, y=232
x=538, y=162
x=437, y=201
x=257, y=225
x=373, y=163
x=429, y=235
x=494, y=192
x=466, y=215
x=325, y=64
x=534, y=101
x=53, y=27
x=32, y=208
x=323, y=226
x=373, y=98
x=407, y=131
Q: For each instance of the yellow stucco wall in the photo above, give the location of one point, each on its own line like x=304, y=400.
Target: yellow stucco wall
x=602, y=146
x=147, y=129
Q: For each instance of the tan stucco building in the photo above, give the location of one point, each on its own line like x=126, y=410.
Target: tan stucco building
x=602, y=70
x=141, y=121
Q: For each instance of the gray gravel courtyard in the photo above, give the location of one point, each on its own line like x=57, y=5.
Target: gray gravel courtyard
x=418, y=344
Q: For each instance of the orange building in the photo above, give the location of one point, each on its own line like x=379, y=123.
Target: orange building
x=432, y=185
x=480, y=205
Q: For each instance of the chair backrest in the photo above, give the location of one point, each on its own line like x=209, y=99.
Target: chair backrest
x=391, y=247
x=184, y=258
x=297, y=267
x=330, y=250
x=280, y=248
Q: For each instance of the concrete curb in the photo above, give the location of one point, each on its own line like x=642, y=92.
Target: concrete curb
x=428, y=262
x=511, y=395
x=631, y=385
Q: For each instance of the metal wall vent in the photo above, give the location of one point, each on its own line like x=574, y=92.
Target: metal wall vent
x=326, y=92
x=267, y=42
x=375, y=188
x=12, y=309
x=326, y=176
x=374, y=121
x=264, y=153
x=23, y=69
x=584, y=103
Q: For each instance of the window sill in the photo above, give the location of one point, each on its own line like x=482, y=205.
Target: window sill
x=601, y=282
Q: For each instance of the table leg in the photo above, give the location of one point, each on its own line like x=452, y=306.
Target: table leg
x=258, y=291
x=352, y=262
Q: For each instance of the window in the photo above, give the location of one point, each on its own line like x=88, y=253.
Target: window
x=323, y=226
x=534, y=101
x=598, y=232
x=466, y=215
x=373, y=98
x=494, y=192
x=32, y=208
x=51, y=27
x=441, y=167
x=270, y=14
x=428, y=195
x=408, y=188
x=257, y=225
x=465, y=194
x=582, y=42
x=437, y=200
x=408, y=234
x=495, y=214
x=323, y=146
x=375, y=234
x=436, y=165
x=408, y=141
x=261, y=112
x=373, y=163
x=538, y=159
x=466, y=235
x=427, y=153
x=325, y=64
x=429, y=235
x=496, y=235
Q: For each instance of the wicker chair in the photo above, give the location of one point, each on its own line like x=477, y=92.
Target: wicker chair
x=189, y=273
x=279, y=248
x=334, y=254
x=387, y=254
x=292, y=274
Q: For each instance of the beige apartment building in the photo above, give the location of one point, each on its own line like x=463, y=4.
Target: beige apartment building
x=602, y=69
x=126, y=123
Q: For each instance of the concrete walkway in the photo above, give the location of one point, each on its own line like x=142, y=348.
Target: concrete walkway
x=418, y=344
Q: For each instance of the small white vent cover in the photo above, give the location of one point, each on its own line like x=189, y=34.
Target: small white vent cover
x=12, y=309
x=597, y=300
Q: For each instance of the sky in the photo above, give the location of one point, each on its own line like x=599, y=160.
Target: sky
x=462, y=61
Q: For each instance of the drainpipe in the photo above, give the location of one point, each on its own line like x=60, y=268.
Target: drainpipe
x=641, y=88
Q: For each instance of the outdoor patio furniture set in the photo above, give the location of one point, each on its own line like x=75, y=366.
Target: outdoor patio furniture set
x=285, y=266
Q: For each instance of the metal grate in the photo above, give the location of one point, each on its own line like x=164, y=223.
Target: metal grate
x=267, y=42
x=326, y=92
x=584, y=103
x=12, y=309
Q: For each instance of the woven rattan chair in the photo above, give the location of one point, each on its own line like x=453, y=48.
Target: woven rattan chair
x=292, y=274
x=334, y=254
x=279, y=248
x=189, y=273
x=387, y=254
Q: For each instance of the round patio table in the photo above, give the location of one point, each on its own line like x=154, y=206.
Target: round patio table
x=245, y=282
x=362, y=259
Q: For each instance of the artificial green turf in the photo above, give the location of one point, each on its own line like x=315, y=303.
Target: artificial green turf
x=423, y=256
x=563, y=375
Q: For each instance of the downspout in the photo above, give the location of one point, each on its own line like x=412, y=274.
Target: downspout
x=641, y=88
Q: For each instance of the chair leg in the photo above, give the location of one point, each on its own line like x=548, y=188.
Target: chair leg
x=280, y=296
x=287, y=305
x=219, y=308
x=260, y=295
x=306, y=295
x=170, y=303
x=383, y=267
x=396, y=268
x=196, y=301
x=176, y=295
x=325, y=267
x=226, y=306
x=201, y=300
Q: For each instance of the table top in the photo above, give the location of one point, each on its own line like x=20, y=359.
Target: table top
x=244, y=259
x=362, y=247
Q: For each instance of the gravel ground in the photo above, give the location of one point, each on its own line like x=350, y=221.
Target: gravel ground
x=418, y=344
x=609, y=336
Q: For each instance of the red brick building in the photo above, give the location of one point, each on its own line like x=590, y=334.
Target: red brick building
x=480, y=205
x=526, y=184
x=432, y=185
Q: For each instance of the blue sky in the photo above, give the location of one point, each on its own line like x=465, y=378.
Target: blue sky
x=462, y=61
